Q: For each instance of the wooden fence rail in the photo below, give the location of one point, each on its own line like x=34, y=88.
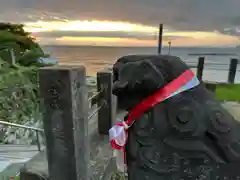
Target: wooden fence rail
x=212, y=85
x=231, y=72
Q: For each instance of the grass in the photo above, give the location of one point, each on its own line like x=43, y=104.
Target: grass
x=12, y=178
x=228, y=92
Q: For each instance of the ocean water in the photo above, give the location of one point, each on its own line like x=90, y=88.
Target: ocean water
x=97, y=58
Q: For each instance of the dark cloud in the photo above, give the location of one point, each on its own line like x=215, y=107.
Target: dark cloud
x=115, y=34
x=192, y=15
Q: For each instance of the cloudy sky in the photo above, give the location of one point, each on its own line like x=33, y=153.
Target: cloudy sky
x=127, y=22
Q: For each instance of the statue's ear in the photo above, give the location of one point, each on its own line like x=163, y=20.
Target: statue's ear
x=153, y=77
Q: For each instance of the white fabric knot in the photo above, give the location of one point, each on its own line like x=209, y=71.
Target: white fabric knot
x=118, y=134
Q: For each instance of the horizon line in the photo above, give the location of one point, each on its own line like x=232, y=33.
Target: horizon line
x=136, y=46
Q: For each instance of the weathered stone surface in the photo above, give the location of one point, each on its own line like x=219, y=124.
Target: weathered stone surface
x=64, y=91
x=189, y=136
x=106, y=113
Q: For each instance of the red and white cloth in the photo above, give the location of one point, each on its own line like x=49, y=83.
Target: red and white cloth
x=119, y=132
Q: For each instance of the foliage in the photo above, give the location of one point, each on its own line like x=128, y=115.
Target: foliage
x=30, y=58
x=119, y=176
x=19, y=94
x=14, y=37
x=11, y=178
x=19, y=102
x=14, y=28
x=24, y=42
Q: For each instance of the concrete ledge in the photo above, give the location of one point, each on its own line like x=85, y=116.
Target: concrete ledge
x=233, y=108
x=36, y=168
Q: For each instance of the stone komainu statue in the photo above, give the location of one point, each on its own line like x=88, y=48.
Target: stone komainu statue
x=186, y=137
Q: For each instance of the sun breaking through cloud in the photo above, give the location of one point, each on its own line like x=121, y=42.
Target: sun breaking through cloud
x=118, y=33
x=187, y=22
x=87, y=25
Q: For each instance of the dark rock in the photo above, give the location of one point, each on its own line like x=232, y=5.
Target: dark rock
x=189, y=136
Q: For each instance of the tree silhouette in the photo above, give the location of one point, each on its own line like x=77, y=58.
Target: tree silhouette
x=14, y=37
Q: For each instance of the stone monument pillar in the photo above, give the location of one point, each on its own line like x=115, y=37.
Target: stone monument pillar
x=66, y=122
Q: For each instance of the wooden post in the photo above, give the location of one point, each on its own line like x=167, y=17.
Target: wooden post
x=169, y=47
x=64, y=92
x=200, y=67
x=232, y=70
x=160, y=35
x=106, y=113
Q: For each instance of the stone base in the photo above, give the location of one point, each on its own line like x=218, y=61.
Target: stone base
x=36, y=168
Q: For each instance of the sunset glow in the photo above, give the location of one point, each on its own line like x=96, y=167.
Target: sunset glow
x=178, y=38
x=103, y=41
x=94, y=25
